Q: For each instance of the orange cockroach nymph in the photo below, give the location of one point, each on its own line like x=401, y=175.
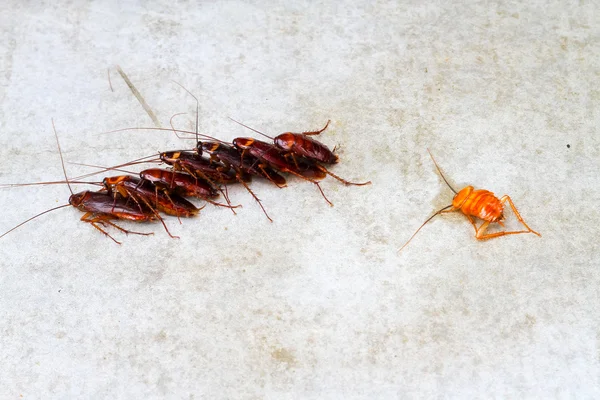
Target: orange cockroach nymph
x=480, y=204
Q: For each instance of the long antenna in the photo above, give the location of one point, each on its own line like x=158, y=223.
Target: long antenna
x=175, y=130
x=440, y=171
x=34, y=217
x=52, y=209
x=197, y=105
x=141, y=160
x=62, y=161
x=162, y=129
x=104, y=169
x=428, y=219
x=252, y=129
x=13, y=185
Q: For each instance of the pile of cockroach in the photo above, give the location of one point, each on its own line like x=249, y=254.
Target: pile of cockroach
x=203, y=172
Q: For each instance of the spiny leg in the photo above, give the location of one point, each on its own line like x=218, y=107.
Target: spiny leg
x=86, y=218
x=323, y=194
x=127, y=232
x=106, y=220
x=226, y=196
x=481, y=235
x=219, y=204
x=93, y=221
x=253, y=195
x=472, y=223
x=345, y=182
x=198, y=173
x=155, y=212
x=507, y=198
x=311, y=181
x=266, y=175
x=166, y=193
x=317, y=132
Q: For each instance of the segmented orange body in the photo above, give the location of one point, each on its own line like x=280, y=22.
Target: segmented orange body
x=479, y=203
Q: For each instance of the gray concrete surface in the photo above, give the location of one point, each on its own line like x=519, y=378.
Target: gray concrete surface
x=318, y=304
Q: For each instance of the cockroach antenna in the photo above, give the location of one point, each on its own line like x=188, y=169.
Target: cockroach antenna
x=252, y=129
x=197, y=105
x=424, y=223
x=62, y=161
x=440, y=171
x=52, y=209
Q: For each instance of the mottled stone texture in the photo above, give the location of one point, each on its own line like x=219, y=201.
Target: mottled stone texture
x=318, y=304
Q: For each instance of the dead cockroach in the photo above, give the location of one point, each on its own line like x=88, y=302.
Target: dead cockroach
x=146, y=195
x=100, y=208
x=194, y=164
x=232, y=157
x=244, y=165
x=180, y=183
x=300, y=146
x=272, y=156
x=480, y=204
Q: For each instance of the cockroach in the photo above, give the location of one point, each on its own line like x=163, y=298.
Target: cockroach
x=146, y=194
x=275, y=158
x=244, y=165
x=140, y=192
x=182, y=184
x=100, y=208
x=300, y=145
x=173, y=182
x=478, y=203
x=194, y=164
x=231, y=156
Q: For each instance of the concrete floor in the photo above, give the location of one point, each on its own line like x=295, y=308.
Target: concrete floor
x=318, y=304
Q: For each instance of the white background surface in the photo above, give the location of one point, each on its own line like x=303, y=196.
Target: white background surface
x=317, y=304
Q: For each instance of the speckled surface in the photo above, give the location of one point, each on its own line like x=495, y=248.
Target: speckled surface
x=318, y=304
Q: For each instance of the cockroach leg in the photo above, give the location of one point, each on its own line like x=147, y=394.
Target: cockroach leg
x=94, y=220
x=345, y=182
x=266, y=174
x=480, y=232
x=317, y=132
x=323, y=194
x=311, y=181
x=156, y=213
x=253, y=195
x=512, y=205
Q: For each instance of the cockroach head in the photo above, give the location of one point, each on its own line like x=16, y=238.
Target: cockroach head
x=169, y=156
x=199, y=147
x=285, y=141
x=210, y=146
x=242, y=143
x=77, y=198
x=460, y=197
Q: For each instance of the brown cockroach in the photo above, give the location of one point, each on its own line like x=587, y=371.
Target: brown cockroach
x=232, y=157
x=243, y=165
x=196, y=165
x=171, y=182
x=181, y=183
x=100, y=208
x=481, y=204
x=272, y=156
x=146, y=194
x=300, y=146
x=219, y=176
